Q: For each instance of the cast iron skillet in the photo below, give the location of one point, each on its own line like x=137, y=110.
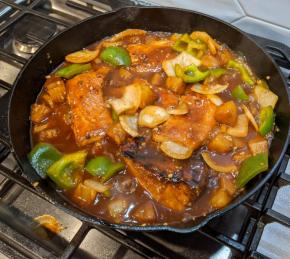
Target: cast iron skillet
x=31, y=80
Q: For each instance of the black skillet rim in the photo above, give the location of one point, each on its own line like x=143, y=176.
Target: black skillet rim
x=99, y=222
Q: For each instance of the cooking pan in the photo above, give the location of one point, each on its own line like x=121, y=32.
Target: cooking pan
x=49, y=56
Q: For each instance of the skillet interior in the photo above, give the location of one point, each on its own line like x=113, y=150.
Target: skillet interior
x=31, y=80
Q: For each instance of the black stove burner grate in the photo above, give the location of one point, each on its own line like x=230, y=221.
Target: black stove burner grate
x=255, y=212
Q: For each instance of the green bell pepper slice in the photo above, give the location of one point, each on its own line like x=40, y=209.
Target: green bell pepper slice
x=186, y=43
x=112, y=170
x=61, y=172
x=116, y=56
x=182, y=43
x=98, y=166
x=72, y=70
x=251, y=167
x=42, y=156
x=239, y=93
x=267, y=118
x=103, y=166
x=217, y=72
x=190, y=74
x=246, y=76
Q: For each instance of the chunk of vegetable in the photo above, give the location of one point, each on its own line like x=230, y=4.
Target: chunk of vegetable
x=241, y=127
x=156, y=79
x=183, y=59
x=240, y=94
x=228, y=184
x=220, y=199
x=117, y=208
x=175, y=84
x=61, y=171
x=98, y=165
x=205, y=37
x=124, y=73
x=221, y=143
x=252, y=167
x=258, y=145
x=250, y=117
x=147, y=94
x=145, y=212
x=151, y=116
x=138, y=94
x=103, y=166
x=181, y=109
x=227, y=113
x=215, y=166
x=96, y=186
x=209, y=61
x=241, y=155
x=215, y=99
x=265, y=97
x=130, y=100
x=85, y=193
x=72, y=70
x=267, y=119
x=217, y=72
x=194, y=47
x=82, y=56
x=129, y=124
x=190, y=74
x=116, y=56
x=263, y=83
x=113, y=169
x=175, y=150
x=208, y=89
x=42, y=156
x=244, y=71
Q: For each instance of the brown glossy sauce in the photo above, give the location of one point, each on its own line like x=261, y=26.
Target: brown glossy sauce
x=124, y=186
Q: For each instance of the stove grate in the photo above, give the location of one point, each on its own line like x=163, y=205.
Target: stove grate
x=257, y=209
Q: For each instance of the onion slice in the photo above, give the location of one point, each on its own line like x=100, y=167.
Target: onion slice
x=181, y=109
x=183, y=59
x=99, y=187
x=241, y=128
x=175, y=150
x=215, y=166
x=250, y=117
x=215, y=99
x=213, y=89
x=151, y=116
x=129, y=124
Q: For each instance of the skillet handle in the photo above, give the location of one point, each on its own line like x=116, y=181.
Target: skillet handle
x=4, y=132
x=279, y=51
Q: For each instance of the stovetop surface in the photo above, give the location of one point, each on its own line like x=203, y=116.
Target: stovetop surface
x=259, y=228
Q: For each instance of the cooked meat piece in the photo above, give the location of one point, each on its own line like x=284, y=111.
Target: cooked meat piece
x=147, y=154
x=39, y=112
x=147, y=57
x=192, y=129
x=174, y=196
x=90, y=117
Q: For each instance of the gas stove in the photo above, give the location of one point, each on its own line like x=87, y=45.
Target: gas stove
x=259, y=228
